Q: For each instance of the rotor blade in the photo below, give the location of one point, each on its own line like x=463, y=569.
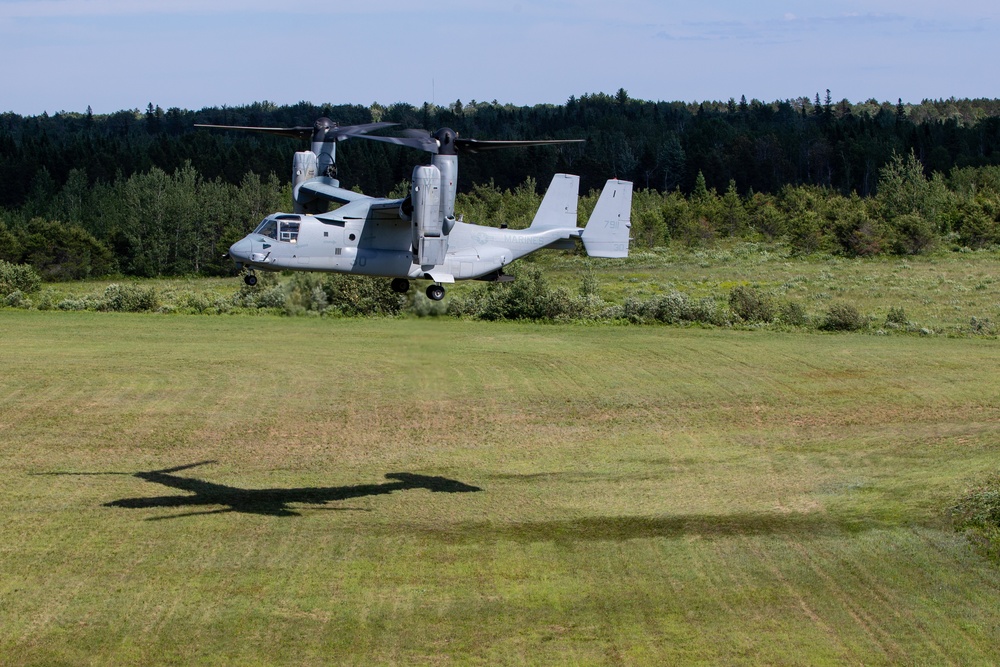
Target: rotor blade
x=300, y=132
x=350, y=130
x=337, y=133
x=422, y=143
x=476, y=145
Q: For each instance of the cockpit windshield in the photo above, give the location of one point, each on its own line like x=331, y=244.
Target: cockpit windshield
x=268, y=228
x=282, y=228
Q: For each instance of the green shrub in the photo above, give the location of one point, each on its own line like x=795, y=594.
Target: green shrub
x=982, y=326
x=748, y=304
x=356, y=295
x=843, y=317
x=128, y=299
x=424, y=307
x=76, y=304
x=794, y=314
x=17, y=299
x=18, y=277
x=528, y=297
x=897, y=316
x=977, y=514
x=673, y=308
x=913, y=234
x=267, y=293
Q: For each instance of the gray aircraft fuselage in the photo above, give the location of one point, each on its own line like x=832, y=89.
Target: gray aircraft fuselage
x=381, y=244
x=384, y=237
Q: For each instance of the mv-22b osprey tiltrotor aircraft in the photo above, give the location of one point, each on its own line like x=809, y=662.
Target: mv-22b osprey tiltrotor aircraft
x=418, y=237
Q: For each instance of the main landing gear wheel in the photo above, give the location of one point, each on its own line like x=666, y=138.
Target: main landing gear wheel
x=435, y=292
x=250, y=279
x=400, y=285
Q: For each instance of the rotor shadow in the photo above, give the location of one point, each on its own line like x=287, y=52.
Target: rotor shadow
x=268, y=502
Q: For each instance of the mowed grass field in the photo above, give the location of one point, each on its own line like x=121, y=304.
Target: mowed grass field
x=451, y=492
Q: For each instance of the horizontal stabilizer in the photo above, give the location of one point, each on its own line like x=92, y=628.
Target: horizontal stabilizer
x=607, y=231
x=558, y=207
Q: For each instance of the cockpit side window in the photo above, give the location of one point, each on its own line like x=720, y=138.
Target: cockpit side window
x=268, y=228
x=289, y=231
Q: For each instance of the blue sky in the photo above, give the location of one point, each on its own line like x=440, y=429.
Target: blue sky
x=118, y=54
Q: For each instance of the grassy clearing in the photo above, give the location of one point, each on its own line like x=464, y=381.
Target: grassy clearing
x=949, y=293
x=646, y=494
x=941, y=292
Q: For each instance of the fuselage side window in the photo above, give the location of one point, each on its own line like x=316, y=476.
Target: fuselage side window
x=289, y=231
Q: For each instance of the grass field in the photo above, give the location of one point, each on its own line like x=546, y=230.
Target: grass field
x=950, y=293
x=450, y=492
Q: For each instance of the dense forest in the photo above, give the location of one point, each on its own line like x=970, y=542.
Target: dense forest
x=146, y=193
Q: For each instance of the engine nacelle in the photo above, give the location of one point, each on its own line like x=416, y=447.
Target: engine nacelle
x=429, y=239
x=304, y=167
x=427, y=201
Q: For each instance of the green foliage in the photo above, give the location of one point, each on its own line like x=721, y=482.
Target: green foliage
x=10, y=247
x=843, y=317
x=342, y=294
x=793, y=314
x=268, y=293
x=750, y=305
x=914, y=235
x=64, y=251
x=977, y=513
x=128, y=299
x=145, y=195
x=976, y=227
x=896, y=315
x=18, y=277
x=528, y=297
x=673, y=308
x=902, y=186
x=17, y=299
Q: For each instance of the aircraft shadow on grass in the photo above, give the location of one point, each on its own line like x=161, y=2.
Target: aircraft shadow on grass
x=269, y=502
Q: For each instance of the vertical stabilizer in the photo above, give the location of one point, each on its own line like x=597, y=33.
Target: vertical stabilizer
x=558, y=207
x=607, y=231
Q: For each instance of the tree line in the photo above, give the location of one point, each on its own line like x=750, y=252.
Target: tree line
x=144, y=193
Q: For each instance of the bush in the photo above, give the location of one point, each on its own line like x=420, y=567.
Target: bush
x=914, y=235
x=897, y=316
x=977, y=513
x=424, y=307
x=128, y=299
x=267, y=293
x=528, y=297
x=18, y=278
x=748, y=304
x=356, y=295
x=794, y=314
x=843, y=317
x=17, y=299
x=76, y=304
x=673, y=308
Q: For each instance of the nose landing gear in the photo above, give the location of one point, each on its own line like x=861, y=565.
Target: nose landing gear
x=250, y=279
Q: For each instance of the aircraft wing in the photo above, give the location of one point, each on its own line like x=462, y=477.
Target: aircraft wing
x=321, y=188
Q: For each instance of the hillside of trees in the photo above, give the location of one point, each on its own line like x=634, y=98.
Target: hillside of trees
x=145, y=193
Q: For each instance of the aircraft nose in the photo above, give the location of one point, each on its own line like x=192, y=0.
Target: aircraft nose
x=240, y=250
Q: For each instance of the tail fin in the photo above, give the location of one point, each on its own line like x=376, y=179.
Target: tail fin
x=606, y=234
x=558, y=207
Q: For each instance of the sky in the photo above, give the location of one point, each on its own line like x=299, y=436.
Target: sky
x=66, y=55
